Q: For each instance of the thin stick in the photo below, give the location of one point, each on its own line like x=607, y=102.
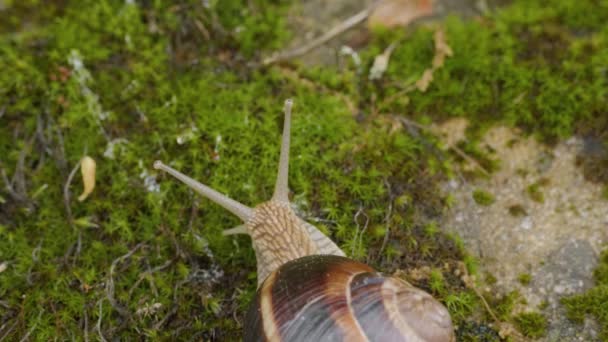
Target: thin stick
x=8, y=185
x=66, y=194
x=149, y=272
x=334, y=32
x=86, y=324
x=9, y=330
x=110, y=283
x=35, y=259
x=456, y=149
x=29, y=332
x=359, y=233
x=99, y=322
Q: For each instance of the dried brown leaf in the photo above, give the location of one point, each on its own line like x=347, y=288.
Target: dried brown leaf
x=397, y=13
x=442, y=51
x=423, y=83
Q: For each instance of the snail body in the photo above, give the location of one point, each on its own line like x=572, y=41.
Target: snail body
x=308, y=290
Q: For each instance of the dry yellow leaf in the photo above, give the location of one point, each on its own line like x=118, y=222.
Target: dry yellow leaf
x=87, y=168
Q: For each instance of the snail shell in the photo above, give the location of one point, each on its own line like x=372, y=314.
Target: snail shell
x=333, y=298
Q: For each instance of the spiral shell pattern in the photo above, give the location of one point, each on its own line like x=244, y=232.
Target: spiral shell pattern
x=333, y=298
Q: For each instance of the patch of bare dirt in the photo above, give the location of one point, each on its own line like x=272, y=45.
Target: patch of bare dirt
x=547, y=222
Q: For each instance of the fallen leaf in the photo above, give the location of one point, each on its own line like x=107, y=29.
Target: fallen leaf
x=87, y=168
x=423, y=83
x=442, y=50
x=381, y=63
x=396, y=13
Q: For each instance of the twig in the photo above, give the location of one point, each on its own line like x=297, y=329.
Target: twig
x=456, y=149
x=66, y=194
x=471, y=160
x=9, y=186
x=485, y=303
x=9, y=330
x=359, y=233
x=16, y=187
x=35, y=255
x=165, y=319
x=29, y=332
x=332, y=33
x=110, y=283
x=175, y=305
x=149, y=272
x=99, y=322
x=86, y=324
x=68, y=213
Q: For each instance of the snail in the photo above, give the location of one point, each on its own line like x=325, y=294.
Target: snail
x=308, y=290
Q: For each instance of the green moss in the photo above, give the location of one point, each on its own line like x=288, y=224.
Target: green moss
x=524, y=278
x=461, y=305
x=174, y=81
x=594, y=302
x=503, y=305
x=535, y=192
x=517, y=210
x=531, y=324
x=482, y=197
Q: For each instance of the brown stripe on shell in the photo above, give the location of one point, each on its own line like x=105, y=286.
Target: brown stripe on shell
x=309, y=300
x=337, y=292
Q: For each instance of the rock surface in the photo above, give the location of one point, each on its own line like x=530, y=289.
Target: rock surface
x=555, y=235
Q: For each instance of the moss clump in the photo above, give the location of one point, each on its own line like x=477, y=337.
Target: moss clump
x=594, y=302
x=524, y=278
x=535, y=193
x=472, y=331
x=517, y=210
x=483, y=197
x=531, y=324
x=503, y=305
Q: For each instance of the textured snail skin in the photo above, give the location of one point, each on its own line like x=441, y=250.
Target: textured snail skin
x=333, y=298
